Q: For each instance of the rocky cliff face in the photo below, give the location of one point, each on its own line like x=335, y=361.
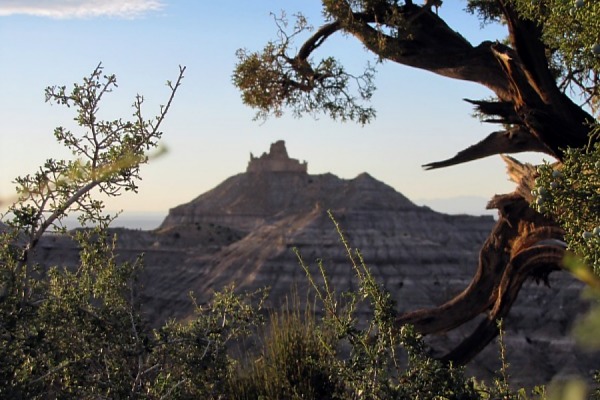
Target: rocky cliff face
x=291, y=212
x=243, y=232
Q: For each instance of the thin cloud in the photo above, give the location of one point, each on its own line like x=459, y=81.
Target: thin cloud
x=68, y=9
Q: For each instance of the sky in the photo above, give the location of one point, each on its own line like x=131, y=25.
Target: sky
x=209, y=132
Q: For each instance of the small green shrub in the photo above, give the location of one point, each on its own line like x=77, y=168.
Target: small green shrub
x=295, y=361
x=571, y=195
x=371, y=365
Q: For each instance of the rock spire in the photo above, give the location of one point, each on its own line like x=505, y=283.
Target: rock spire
x=277, y=160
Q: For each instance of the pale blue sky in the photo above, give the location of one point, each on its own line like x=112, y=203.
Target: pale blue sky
x=209, y=132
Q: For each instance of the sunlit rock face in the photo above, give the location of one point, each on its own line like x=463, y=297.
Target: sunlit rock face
x=249, y=230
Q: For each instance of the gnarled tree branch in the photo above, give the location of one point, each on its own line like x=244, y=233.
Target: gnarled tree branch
x=426, y=43
x=510, y=141
x=522, y=245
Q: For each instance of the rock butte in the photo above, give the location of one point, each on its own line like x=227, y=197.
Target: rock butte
x=277, y=160
x=243, y=231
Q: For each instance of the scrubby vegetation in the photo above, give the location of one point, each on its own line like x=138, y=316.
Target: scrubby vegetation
x=78, y=332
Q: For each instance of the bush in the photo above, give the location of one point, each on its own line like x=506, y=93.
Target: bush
x=78, y=332
x=294, y=362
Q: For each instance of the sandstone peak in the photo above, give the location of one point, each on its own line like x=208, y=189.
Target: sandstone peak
x=276, y=160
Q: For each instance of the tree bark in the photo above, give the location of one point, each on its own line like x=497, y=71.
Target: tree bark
x=523, y=244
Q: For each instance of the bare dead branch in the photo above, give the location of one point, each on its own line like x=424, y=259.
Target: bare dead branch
x=515, y=140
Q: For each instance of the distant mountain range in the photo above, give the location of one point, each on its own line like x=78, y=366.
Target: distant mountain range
x=470, y=205
x=242, y=232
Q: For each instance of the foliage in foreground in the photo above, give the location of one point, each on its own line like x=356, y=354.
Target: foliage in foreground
x=571, y=194
x=78, y=332
x=85, y=337
x=339, y=356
